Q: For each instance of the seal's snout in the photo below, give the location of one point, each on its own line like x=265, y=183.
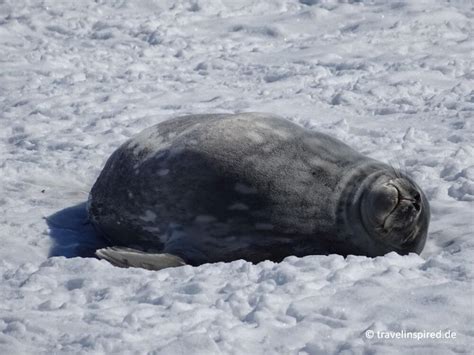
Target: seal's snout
x=417, y=201
x=409, y=197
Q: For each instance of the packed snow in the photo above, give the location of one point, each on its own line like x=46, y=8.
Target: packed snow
x=393, y=79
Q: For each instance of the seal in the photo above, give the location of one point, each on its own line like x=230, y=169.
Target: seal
x=207, y=188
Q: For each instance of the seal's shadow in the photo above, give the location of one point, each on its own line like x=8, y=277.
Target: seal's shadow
x=72, y=234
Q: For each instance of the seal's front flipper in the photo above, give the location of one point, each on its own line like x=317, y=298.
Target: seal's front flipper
x=127, y=257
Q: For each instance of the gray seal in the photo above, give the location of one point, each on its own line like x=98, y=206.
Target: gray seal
x=220, y=187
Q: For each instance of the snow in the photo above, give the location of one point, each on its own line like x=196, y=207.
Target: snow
x=392, y=79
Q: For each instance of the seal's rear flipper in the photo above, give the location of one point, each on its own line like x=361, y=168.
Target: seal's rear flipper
x=127, y=257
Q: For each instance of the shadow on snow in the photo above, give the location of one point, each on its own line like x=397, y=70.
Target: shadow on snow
x=72, y=233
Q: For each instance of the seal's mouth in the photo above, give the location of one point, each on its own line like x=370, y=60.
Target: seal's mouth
x=414, y=200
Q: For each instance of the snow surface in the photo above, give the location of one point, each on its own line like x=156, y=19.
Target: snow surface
x=393, y=79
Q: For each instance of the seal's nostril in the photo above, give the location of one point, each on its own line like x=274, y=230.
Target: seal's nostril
x=417, y=206
x=417, y=197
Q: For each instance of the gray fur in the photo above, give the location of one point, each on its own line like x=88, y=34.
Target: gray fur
x=221, y=187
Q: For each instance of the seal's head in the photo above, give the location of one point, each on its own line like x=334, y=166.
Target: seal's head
x=396, y=213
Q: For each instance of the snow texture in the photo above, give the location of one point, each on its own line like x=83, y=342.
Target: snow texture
x=393, y=79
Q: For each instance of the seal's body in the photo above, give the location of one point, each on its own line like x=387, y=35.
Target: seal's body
x=208, y=188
